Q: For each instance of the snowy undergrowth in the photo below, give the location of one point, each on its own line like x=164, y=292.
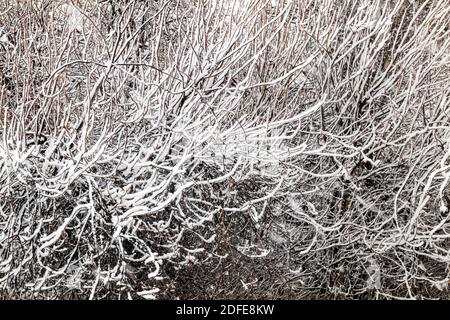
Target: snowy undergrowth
x=288, y=150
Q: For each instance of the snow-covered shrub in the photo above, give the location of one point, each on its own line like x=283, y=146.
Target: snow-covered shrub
x=223, y=149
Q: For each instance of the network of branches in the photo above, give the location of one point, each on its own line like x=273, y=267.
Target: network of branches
x=224, y=149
